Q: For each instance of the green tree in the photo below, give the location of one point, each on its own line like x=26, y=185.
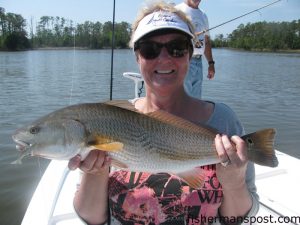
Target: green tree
x=107, y=34
x=2, y=26
x=44, y=35
x=219, y=41
x=263, y=35
x=122, y=37
x=13, y=35
x=96, y=34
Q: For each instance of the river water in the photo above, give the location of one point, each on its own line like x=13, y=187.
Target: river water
x=263, y=89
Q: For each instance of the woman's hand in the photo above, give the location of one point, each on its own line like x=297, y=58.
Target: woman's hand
x=90, y=201
x=237, y=200
x=95, y=163
x=233, y=155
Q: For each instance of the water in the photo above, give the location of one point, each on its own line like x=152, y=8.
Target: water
x=263, y=89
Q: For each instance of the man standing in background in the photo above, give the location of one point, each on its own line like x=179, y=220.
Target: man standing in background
x=194, y=78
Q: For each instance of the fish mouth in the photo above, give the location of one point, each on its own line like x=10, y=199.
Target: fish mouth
x=21, y=145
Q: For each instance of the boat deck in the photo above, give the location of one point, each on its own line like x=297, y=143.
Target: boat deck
x=277, y=187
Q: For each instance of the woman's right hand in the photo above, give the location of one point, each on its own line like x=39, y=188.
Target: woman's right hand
x=95, y=163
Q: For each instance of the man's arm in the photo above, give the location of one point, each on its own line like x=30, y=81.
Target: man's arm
x=209, y=58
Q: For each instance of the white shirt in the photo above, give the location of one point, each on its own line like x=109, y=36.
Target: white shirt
x=200, y=21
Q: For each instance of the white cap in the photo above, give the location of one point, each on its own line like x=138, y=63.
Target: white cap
x=160, y=20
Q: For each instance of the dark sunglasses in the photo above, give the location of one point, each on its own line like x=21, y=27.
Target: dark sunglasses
x=150, y=49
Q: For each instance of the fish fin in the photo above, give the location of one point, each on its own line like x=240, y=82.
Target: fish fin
x=169, y=118
x=261, y=147
x=109, y=147
x=124, y=104
x=118, y=164
x=104, y=143
x=194, y=178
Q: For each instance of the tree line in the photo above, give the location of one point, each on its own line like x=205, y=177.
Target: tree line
x=13, y=33
x=17, y=34
x=59, y=32
x=263, y=36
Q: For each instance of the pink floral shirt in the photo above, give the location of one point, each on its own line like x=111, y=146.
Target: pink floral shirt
x=144, y=198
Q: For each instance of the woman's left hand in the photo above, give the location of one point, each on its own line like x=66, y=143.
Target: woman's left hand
x=233, y=155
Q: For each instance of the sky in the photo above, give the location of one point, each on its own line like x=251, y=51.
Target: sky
x=218, y=11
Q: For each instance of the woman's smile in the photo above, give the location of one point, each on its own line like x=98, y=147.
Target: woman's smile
x=164, y=71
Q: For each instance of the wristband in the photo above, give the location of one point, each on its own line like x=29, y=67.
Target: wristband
x=211, y=62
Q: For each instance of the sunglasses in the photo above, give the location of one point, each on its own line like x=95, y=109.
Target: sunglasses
x=176, y=48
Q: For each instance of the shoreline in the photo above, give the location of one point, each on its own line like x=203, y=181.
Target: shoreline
x=86, y=48
x=72, y=48
x=262, y=50
x=59, y=48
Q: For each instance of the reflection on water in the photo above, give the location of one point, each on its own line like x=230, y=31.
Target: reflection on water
x=263, y=89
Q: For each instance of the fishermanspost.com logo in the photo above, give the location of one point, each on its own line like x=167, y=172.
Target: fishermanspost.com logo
x=246, y=219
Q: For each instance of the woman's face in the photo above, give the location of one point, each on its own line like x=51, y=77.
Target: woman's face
x=164, y=74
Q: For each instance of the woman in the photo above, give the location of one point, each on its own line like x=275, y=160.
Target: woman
x=162, y=41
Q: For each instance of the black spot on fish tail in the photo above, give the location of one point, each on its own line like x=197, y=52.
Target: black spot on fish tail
x=261, y=147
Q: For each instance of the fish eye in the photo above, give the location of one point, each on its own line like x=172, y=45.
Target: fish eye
x=34, y=130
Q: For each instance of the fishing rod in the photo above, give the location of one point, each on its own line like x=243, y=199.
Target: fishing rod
x=111, y=78
x=112, y=52
x=256, y=10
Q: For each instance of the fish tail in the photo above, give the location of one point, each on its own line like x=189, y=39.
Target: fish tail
x=261, y=147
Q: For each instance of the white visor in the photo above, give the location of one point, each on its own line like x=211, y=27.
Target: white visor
x=160, y=20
